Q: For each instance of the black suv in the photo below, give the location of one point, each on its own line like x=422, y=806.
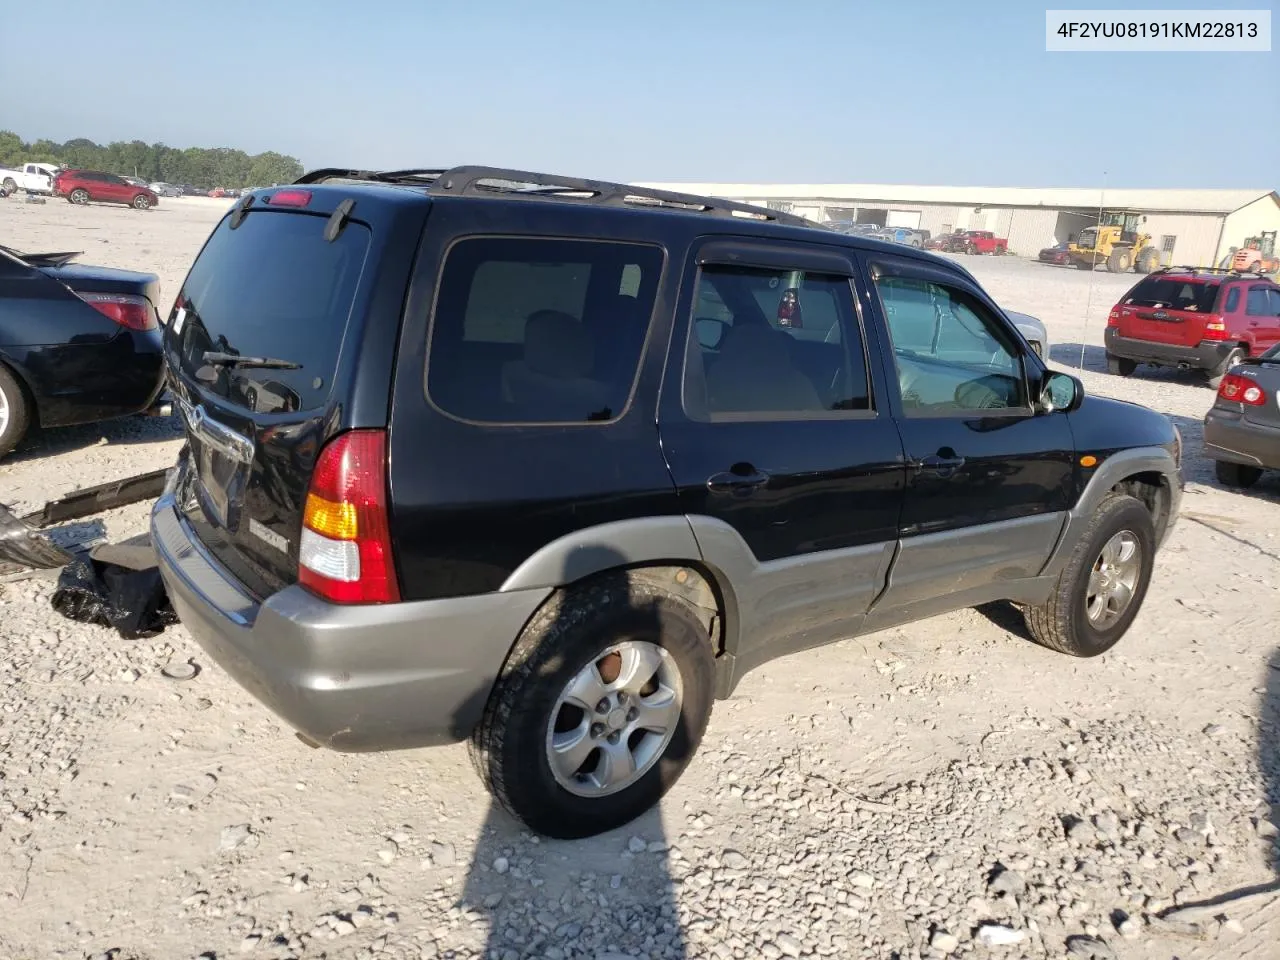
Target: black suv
x=551, y=463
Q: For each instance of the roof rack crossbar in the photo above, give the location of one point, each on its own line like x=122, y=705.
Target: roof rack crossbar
x=1223, y=271
x=524, y=184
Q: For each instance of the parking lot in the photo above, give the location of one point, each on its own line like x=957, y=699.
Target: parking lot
x=881, y=797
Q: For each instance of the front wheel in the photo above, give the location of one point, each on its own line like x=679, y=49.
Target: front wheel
x=1237, y=475
x=141, y=202
x=1101, y=589
x=599, y=709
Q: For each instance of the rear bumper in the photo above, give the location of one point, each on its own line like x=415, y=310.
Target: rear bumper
x=1231, y=438
x=352, y=678
x=1205, y=355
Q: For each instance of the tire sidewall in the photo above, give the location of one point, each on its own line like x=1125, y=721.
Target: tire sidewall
x=530, y=785
x=16, y=427
x=1122, y=513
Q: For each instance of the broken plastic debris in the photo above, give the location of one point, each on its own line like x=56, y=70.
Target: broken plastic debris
x=180, y=670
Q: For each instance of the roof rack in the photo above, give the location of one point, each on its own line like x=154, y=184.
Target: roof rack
x=1214, y=271
x=487, y=181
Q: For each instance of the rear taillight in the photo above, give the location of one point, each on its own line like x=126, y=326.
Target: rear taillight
x=128, y=310
x=1240, y=389
x=345, y=551
x=1114, y=319
x=1215, y=328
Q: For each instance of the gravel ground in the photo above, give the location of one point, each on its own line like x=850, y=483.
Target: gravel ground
x=942, y=789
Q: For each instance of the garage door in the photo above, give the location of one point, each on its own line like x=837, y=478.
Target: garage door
x=904, y=218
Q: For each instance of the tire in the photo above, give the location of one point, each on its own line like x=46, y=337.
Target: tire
x=1119, y=366
x=141, y=202
x=1148, y=260
x=511, y=748
x=79, y=196
x=1237, y=475
x=10, y=185
x=1120, y=260
x=1063, y=622
x=1229, y=361
x=15, y=412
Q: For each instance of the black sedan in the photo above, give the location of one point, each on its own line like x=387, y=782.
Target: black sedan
x=77, y=343
x=1242, y=429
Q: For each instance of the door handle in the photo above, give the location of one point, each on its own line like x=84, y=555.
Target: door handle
x=942, y=466
x=741, y=480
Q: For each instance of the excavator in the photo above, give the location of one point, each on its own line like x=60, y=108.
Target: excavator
x=1117, y=242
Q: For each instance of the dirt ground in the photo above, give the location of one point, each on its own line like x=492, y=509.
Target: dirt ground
x=928, y=791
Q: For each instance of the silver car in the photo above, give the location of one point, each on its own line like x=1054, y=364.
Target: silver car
x=1033, y=329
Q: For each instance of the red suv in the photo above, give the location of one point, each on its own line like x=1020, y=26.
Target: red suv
x=1204, y=319
x=81, y=186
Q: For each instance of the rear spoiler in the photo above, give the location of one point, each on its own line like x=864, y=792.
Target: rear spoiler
x=24, y=545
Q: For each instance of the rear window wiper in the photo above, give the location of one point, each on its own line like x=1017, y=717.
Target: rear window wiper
x=217, y=358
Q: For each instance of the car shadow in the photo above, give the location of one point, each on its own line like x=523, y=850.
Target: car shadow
x=52, y=441
x=607, y=896
x=1094, y=360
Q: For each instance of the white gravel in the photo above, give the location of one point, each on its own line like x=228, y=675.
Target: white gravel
x=942, y=789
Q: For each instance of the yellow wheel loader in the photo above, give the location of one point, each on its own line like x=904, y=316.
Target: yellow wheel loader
x=1117, y=243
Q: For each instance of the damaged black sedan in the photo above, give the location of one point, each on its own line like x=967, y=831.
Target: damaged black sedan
x=78, y=343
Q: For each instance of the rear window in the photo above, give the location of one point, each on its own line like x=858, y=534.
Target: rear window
x=1173, y=293
x=274, y=288
x=540, y=331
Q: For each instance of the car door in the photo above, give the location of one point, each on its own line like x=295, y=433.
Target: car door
x=115, y=189
x=775, y=429
x=988, y=478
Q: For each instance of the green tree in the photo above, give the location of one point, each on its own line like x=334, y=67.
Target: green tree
x=206, y=167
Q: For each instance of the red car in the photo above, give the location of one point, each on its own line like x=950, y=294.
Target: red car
x=83, y=186
x=1057, y=254
x=1198, y=318
x=983, y=241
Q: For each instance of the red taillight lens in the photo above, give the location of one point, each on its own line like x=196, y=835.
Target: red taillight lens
x=345, y=553
x=1214, y=328
x=290, y=198
x=1240, y=389
x=1114, y=319
x=130, y=311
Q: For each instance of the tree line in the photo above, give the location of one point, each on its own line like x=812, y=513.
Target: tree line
x=205, y=167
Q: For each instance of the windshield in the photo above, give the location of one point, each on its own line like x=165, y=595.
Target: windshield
x=1174, y=294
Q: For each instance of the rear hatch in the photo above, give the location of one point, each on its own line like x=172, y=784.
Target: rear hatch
x=277, y=294
x=1169, y=309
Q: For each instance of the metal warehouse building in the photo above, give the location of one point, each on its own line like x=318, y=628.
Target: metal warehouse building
x=1190, y=227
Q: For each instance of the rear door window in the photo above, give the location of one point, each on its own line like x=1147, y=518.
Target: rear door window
x=1258, y=303
x=1233, y=300
x=273, y=288
x=1173, y=293
x=540, y=331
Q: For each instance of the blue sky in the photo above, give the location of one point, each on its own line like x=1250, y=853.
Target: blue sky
x=840, y=91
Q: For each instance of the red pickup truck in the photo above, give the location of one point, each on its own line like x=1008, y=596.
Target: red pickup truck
x=983, y=241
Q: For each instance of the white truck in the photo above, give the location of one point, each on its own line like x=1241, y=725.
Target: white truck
x=31, y=177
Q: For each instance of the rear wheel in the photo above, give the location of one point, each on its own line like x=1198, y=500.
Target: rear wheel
x=15, y=415
x=599, y=709
x=1100, y=590
x=1236, y=475
x=10, y=185
x=1222, y=369
x=1120, y=260
x=1119, y=366
x=79, y=195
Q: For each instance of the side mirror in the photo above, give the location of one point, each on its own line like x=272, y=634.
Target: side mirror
x=1060, y=392
x=710, y=332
